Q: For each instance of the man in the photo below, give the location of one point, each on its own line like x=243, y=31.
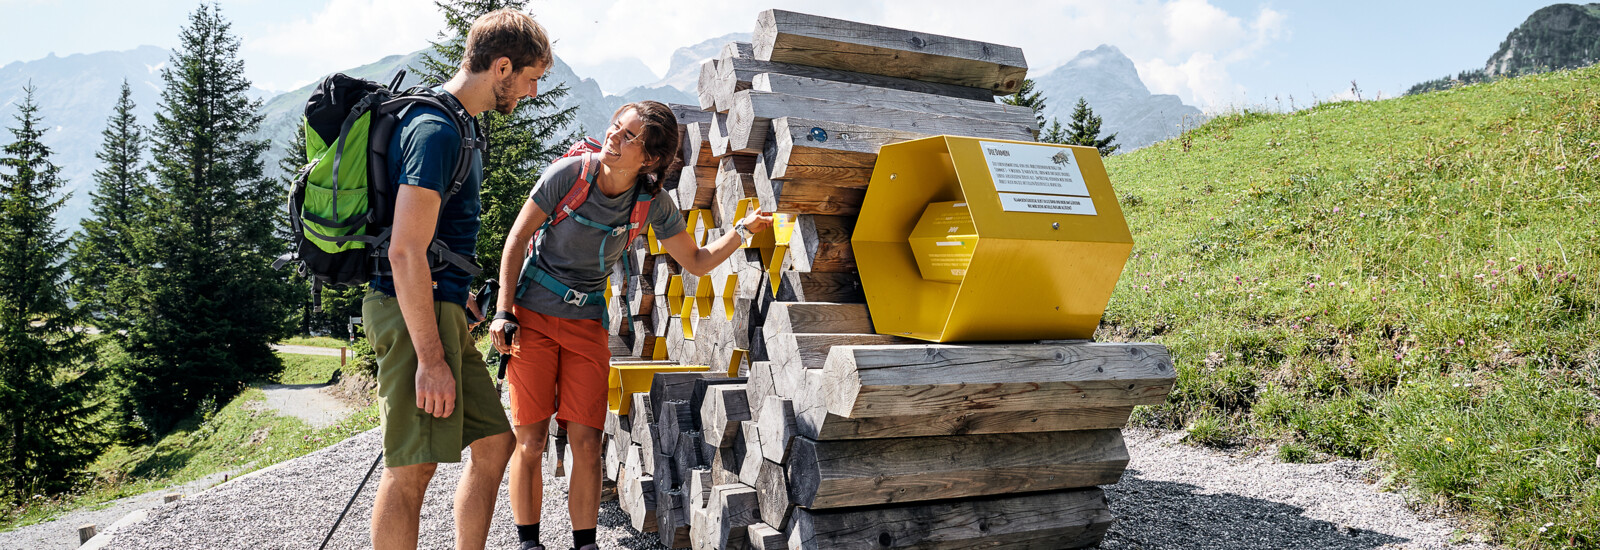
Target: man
x=436, y=395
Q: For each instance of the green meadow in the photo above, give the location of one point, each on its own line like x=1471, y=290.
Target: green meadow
x=1413, y=280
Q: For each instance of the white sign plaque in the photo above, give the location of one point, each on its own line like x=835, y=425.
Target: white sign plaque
x=1046, y=204
x=1028, y=168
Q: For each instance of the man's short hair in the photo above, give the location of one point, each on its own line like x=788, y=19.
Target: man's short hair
x=506, y=33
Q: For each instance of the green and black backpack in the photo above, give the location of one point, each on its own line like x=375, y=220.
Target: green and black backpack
x=341, y=204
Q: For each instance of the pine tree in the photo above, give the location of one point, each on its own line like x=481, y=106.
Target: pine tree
x=49, y=401
x=103, y=251
x=1054, y=133
x=212, y=302
x=1085, y=130
x=520, y=145
x=1027, y=96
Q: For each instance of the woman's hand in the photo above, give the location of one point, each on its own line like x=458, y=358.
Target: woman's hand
x=757, y=221
x=504, y=334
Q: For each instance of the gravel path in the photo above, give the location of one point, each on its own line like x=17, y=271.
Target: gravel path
x=305, y=350
x=62, y=533
x=1174, y=496
x=1177, y=496
x=312, y=403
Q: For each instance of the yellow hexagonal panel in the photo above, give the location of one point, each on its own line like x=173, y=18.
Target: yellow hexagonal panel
x=1037, y=225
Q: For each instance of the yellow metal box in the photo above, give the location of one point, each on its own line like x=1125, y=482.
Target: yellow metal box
x=943, y=241
x=1048, y=240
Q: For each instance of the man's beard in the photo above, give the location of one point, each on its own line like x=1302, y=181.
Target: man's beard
x=505, y=96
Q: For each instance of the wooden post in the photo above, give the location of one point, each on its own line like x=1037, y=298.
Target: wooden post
x=86, y=532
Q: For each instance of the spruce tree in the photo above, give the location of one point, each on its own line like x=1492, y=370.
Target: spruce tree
x=212, y=302
x=520, y=145
x=1027, y=96
x=49, y=401
x=1085, y=130
x=103, y=250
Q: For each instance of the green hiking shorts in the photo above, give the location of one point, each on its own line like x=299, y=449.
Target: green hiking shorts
x=410, y=434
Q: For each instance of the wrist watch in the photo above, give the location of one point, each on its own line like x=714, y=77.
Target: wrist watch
x=744, y=233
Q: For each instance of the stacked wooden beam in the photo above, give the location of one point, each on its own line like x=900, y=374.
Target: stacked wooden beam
x=810, y=430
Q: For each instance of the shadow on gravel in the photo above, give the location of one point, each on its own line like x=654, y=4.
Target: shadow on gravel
x=612, y=517
x=1161, y=514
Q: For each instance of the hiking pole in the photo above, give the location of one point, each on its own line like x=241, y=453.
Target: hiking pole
x=336, y=522
x=505, y=358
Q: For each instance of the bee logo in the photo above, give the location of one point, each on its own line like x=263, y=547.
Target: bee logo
x=1063, y=158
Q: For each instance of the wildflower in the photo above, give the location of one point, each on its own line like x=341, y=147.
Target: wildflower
x=1336, y=210
x=1460, y=342
x=1449, y=440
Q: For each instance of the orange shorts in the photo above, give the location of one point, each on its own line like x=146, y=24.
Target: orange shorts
x=559, y=368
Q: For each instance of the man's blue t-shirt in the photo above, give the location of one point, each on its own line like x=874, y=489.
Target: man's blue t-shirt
x=428, y=146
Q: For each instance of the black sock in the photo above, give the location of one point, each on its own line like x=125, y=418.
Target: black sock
x=528, y=532
x=581, y=537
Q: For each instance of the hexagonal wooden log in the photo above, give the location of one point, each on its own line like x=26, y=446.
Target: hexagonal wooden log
x=1069, y=519
x=805, y=39
x=905, y=380
x=865, y=472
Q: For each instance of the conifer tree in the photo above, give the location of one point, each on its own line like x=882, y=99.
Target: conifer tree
x=1027, y=96
x=1085, y=130
x=520, y=145
x=212, y=302
x=103, y=251
x=49, y=401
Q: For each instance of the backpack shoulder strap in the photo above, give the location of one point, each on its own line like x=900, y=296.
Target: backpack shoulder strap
x=640, y=218
x=579, y=191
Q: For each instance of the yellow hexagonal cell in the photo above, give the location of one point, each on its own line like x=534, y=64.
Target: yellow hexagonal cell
x=969, y=239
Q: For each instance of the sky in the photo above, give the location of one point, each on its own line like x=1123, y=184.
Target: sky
x=1214, y=54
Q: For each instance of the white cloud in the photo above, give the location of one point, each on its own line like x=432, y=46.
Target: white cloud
x=1182, y=47
x=1200, y=80
x=343, y=34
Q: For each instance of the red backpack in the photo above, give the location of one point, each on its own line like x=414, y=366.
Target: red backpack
x=637, y=220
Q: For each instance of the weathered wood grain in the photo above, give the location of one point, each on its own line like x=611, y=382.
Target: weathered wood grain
x=895, y=99
x=746, y=124
x=724, y=408
x=777, y=424
x=1041, y=521
x=833, y=427
x=805, y=39
x=734, y=75
x=837, y=474
x=764, y=537
x=772, y=488
x=929, y=379
x=822, y=243
x=751, y=465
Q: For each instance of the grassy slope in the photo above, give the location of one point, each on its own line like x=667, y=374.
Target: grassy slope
x=1412, y=279
x=242, y=436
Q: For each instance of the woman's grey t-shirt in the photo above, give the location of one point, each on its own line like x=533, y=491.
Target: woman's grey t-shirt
x=570, y=251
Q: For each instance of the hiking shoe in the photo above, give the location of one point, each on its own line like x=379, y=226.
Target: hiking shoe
x=588, y=547
x=531, y=545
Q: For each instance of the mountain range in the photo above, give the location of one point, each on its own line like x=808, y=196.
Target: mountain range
x=76, y=95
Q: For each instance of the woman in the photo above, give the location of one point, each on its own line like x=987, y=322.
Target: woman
x=559, y=341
